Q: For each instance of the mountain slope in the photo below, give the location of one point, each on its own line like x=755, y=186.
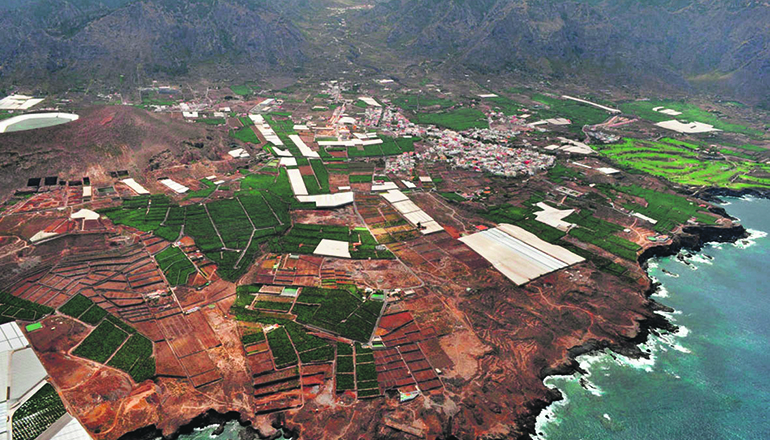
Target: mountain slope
x=98, y=39
x=719, y=44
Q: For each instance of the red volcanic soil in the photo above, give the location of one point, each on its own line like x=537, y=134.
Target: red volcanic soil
x=103, y=139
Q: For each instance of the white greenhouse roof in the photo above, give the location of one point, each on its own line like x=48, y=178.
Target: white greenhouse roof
x=333, y=248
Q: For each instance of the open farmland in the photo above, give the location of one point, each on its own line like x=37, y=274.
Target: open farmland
x=690, y=112
x=457, y=119
x=227, y=231
x=103, y=341
x=12, y=308
x=578, y=113
x=338, y=311
x=303, y=239
x=37, y=414
x=681, y=163
x=175, y=266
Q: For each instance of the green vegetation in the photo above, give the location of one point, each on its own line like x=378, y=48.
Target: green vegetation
x=304, y=238
x=668, y=209
x=338, y=311
x=135, y=358
x=175, y=265
x=690, y=112
x=253, y=337
x=416, y=103
x=505, y=105
x=452, y=196
x=94, y=315
x=211, y=121
x=76, y=306
x=273, y=306
x=680, y=163
x=345, y=382
x=458, y=119
x=366, y=373
x=310, y=348
x=600, y=233
x=263, y=201
x=12, y=308
x=360, y=178
x=580, y=114
x=208, y=188
x=101, y=343
x=245, y=134
x=280, y=345
x=37, y=414
x=245, y=89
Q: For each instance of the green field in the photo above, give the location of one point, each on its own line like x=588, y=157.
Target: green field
x=135, y=358
x=12, y=308
x=205, y=191
x=37, y=414
x=690, y=112
x=245, y=134
x=680, y=163
x=338, y=311
x=668, y=209
x=303, y=239
x=264, y=201
x=458, y=119
x=280, y=345
x=505, y=105
x=416, y=103
x=175, y=265
x=580, y=114
x=103, y=341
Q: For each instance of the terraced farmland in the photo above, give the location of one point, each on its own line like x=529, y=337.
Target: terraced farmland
x=681, y=163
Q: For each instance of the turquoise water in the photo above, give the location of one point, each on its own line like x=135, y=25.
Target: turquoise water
x=710, y=380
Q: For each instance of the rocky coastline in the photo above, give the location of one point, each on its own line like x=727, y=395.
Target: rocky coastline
x=211, y=418
x=692, y=238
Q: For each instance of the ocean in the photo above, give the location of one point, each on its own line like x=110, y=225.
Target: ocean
x=710, y=379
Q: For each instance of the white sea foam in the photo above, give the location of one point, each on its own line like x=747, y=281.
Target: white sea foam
x=700, y=258
x=751, y=240
x=661, y=292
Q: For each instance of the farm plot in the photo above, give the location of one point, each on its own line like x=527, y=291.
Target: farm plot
x=232, y=220
x=304, y=238
x=82, y=308
x=175, y=265
x=280, y=345
x=310, y=348
x=458, y=119
x=12, y=308
x=338, y=311
x=103, y=341
x=681, y=163
x=345, y=379
x=669, y=210
x=578, y=113
x=135, y=358
x=37, y=414
x=366, y=373
x=689, y=112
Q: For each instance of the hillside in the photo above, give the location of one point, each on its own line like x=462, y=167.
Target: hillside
x=714, y=45
x=70, y=41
